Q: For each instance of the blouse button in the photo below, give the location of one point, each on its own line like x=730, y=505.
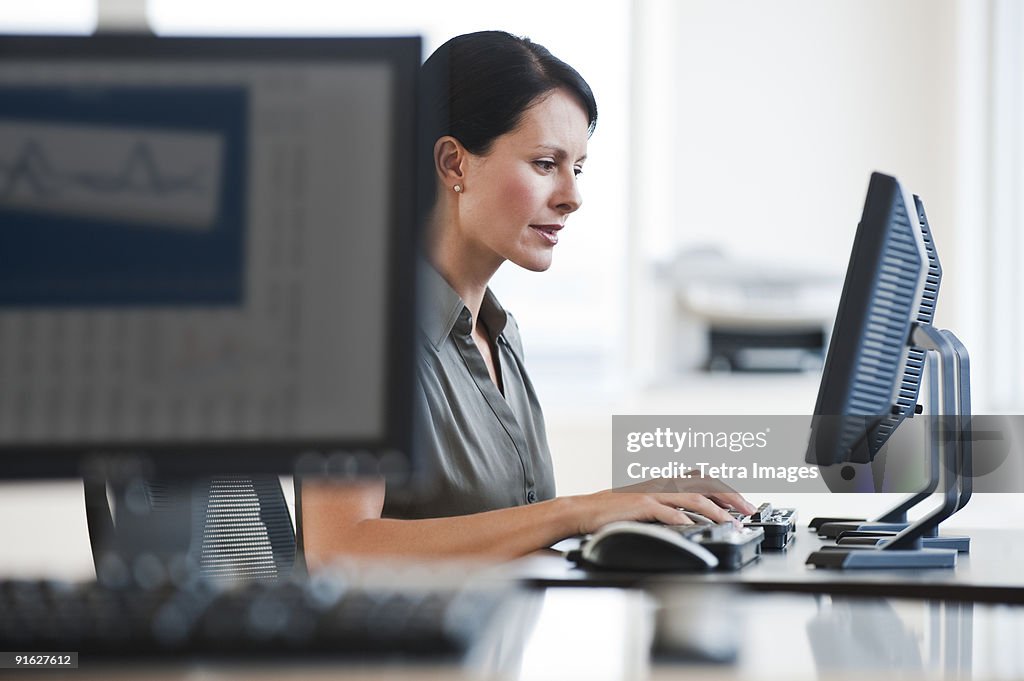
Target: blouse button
x=531, y=496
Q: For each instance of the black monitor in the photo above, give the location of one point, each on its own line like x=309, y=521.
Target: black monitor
x=207, y=255
x=872, y=373
x=872, y=379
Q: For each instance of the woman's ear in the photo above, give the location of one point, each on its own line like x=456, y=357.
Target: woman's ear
x=449, y=161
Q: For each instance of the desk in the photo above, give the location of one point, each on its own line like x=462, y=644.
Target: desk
x=992, y=572
x=606, y=631
x=605, y=635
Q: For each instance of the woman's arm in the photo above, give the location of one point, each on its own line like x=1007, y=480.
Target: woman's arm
x=344, y=519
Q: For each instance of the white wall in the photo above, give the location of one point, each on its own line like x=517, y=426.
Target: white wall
x=766, y=120
x=788, y=106
x=51, y=16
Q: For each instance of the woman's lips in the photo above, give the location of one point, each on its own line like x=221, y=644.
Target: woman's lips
x=547, y=232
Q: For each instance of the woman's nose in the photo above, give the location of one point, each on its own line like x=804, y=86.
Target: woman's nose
x=568, y=197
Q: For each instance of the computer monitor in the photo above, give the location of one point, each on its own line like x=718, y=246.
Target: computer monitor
x=207, y=255
x=872, y=379
x=872, y=373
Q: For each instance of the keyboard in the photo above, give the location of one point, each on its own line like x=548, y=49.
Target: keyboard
x=779, y=525
x=734, y=547
x=321, y=616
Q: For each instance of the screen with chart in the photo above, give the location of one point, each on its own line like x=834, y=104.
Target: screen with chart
x=200, y=243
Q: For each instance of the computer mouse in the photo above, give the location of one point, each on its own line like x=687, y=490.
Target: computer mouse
x=630, y=545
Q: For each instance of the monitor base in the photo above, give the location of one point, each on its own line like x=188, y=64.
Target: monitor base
x=871, y=558
x=958, y=544
x=831, y=530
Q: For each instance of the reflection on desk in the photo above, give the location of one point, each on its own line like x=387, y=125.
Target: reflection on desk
x=592, y=634
x=605, y=635
x=821, y=637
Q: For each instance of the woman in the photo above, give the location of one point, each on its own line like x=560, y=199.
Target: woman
x=504, y=166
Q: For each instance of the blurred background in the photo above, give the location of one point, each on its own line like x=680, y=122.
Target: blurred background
x=723, y=187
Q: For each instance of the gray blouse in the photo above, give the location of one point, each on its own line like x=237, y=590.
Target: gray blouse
x=481, y=450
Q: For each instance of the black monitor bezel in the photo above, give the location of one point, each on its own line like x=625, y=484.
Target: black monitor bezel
x=122, y=460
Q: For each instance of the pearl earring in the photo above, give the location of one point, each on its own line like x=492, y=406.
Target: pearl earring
x=457, y=188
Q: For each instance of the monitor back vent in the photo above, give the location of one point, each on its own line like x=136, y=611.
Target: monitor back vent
x=881, y=358
x=910, y=386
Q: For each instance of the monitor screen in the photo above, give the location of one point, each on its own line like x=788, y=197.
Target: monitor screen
x=206, y=253
x=871, y=376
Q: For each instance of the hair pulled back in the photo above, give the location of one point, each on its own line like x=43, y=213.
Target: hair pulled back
x=477, y=86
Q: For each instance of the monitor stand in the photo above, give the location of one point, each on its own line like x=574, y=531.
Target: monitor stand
x=895, y=519
x=951, y=436
x=854, y=531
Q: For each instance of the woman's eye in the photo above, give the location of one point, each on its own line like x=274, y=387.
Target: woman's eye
x=577, y=171
x=545, y=165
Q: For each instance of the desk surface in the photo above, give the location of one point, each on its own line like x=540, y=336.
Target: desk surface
x=606, y=635
x=991, y=572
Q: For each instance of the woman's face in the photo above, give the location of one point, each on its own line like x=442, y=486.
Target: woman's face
x=517, y=197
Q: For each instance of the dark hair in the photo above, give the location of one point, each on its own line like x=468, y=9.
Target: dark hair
x=476, y=88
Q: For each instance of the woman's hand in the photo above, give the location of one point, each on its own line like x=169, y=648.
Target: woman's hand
x=660, y=501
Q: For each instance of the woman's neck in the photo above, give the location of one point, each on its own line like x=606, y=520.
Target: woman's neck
x=466, y=271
